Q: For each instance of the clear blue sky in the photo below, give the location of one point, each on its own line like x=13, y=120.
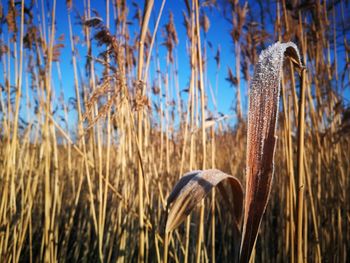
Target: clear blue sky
x=218, y=35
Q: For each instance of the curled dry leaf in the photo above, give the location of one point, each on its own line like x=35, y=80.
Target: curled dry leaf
x=261, y=140
x=192, y=188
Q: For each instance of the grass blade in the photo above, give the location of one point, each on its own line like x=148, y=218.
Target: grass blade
x=192, y=188
x=261, y=141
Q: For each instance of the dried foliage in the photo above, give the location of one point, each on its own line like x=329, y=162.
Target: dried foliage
x=171, y=36
x=231, y=78
x=86, y=164
x=193, y=187
x=264, y=96
x=261, y=143
x=205, y=23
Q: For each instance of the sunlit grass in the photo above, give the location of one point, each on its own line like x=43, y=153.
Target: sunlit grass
x=96, y=188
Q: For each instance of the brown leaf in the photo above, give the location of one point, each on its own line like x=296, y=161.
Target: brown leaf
x=217, y=58
x=192, y=188
x=205, y=23
x=232, y=79
x=93, y=22
x=69, y=4
x=261, y=141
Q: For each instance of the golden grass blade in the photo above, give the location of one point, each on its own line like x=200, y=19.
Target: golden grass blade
x=192, y=188
x=261, y=141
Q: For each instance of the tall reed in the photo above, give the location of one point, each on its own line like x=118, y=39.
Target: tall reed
x=86, y=168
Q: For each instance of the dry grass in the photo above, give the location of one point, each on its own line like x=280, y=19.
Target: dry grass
x=95, y=188
x=261, y=143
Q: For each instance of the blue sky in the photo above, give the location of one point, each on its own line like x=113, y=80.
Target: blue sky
x=218, y=34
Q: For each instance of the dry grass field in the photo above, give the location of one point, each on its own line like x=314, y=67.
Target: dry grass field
x=86, y=169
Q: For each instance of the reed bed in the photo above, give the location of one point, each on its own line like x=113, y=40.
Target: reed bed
x=87, y=179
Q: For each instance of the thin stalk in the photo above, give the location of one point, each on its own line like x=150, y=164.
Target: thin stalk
x=153, y=38
x=146, y=16
x=204, y=155
x=301, y=180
